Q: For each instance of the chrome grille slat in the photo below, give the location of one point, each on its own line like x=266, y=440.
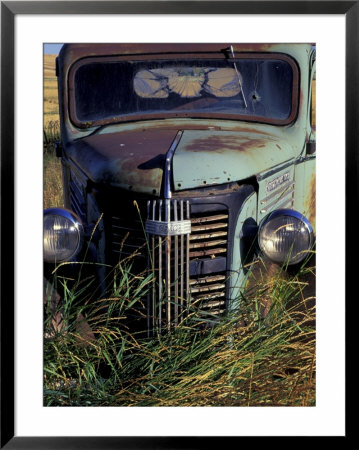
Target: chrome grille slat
x=208, y=235
x=170, y=264
x=209, y=252
x=210, y=296
x=212, y=287
x=209, y=218
x=175, y=218
x=214, y=304
x=208, y=239
x=207, y=279
x=153, y=309
x=160, y=270
x=213, y=226
x=187, y=256
x=182, y=260
x=207, y=244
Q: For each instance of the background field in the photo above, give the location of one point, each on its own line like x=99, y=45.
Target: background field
x=52, y=166
x=51, y=105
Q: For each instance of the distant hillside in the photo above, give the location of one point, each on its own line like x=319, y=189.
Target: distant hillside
x=49, y=66
x=51, y=104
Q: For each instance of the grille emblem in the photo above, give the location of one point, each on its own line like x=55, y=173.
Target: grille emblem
x=174, y=228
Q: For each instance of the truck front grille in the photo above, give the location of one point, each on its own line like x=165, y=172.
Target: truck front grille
x=169, y=260
x=127, y=237
x=179, y=243
x=208, y=241
x=77, y=200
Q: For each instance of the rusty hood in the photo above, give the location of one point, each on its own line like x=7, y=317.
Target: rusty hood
x=134, y=159
x=131, y=160
x=210, y=157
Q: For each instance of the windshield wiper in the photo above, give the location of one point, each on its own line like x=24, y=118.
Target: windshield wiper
x=238, y=75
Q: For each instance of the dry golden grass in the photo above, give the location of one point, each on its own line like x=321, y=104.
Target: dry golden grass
x=51, y=103
x=53, y=193
x=264, y=362
x=50, y=66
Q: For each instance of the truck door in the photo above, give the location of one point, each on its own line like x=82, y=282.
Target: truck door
x=305, y=175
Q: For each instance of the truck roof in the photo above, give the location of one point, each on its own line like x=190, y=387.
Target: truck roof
x=72, y=52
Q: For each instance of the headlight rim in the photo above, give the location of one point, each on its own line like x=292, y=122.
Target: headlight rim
x=286, y=212
x=76, y=221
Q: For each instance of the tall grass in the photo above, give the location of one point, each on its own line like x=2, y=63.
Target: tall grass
x=53, y=191
x=243, y=360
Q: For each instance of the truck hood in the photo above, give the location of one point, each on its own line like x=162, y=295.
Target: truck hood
x=217, y=157
x=131, y=160
x=134, y=160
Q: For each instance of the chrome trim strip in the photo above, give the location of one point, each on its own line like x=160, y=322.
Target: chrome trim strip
x=188, y=293
x=282, y=188
x=168, y=166
x=170, y=263
x=175, y=218
x=160, y=271
x=182, y=261
x=275, y=203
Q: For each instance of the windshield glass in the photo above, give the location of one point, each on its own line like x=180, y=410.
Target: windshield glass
x=257, y=89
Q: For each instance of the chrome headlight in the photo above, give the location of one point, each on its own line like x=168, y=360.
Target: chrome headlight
x=285, y=236
x=63, y=235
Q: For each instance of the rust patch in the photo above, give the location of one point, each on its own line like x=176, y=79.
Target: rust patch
x=221, y=144
x=301, y=96
x=200, y=125
x=310, y=201
x=129, y=159
x=255, y=129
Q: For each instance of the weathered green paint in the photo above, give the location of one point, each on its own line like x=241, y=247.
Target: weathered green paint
x=217, y=157
x=305, y=190
x=238, y=269
x=276, y=191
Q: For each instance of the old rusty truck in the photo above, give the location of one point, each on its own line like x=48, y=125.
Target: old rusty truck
x=192, y=160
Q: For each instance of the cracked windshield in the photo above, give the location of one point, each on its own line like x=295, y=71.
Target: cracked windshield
x=262, y=88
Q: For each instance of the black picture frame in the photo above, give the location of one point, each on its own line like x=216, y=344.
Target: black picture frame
x=9, y=10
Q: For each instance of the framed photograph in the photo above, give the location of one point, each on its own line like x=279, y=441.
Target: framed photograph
x=37, y=412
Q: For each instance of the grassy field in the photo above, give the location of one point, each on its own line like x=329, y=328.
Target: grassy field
x=53, y=196
x=52, y=167
x=51, y=105
x=244, y=360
